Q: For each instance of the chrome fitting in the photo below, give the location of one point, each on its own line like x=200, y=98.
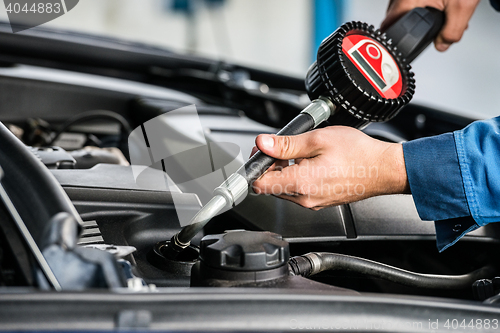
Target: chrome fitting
x=232, y=188
x=315, y=262
x=320, y=110
x=177, y=243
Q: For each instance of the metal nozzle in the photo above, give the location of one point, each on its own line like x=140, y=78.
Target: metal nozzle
x=237, y=185
x=182, y=239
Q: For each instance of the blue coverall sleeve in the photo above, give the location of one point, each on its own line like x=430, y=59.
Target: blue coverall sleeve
x=455, y=179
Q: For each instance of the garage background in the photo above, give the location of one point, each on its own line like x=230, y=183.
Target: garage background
x=283, y=35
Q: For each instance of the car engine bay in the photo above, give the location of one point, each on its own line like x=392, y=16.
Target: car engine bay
x=74, y=116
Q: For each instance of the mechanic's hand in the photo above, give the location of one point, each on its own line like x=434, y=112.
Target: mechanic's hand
x=333, y=165
x=457, y=16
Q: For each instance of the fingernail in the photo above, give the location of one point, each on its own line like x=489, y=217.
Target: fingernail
x=441, y=47
x=267, y=142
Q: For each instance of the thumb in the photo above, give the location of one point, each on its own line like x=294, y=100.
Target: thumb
x=288, y=147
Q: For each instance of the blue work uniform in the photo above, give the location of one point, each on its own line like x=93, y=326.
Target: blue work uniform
x=455, y=179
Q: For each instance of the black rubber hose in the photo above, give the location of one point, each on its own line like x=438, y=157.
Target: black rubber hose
x=313, y=263
x=251, y=170
x=91, y=115
x=260, y=162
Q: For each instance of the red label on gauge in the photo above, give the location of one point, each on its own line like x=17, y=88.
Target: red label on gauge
x=375, y=63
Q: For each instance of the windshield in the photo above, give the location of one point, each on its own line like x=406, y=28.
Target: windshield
x=282, y=36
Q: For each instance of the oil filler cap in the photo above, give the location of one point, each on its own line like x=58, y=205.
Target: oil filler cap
x=244, y=251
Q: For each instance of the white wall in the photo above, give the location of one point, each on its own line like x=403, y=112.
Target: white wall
x=466, y=78
x=272, y=34
x=277, y=35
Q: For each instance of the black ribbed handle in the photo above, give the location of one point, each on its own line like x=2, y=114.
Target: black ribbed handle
x=260, y=162
x=412, y=33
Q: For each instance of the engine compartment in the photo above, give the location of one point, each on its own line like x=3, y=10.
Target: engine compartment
x=124, y=216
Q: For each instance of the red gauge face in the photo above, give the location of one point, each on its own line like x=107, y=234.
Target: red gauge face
x=375, y=63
